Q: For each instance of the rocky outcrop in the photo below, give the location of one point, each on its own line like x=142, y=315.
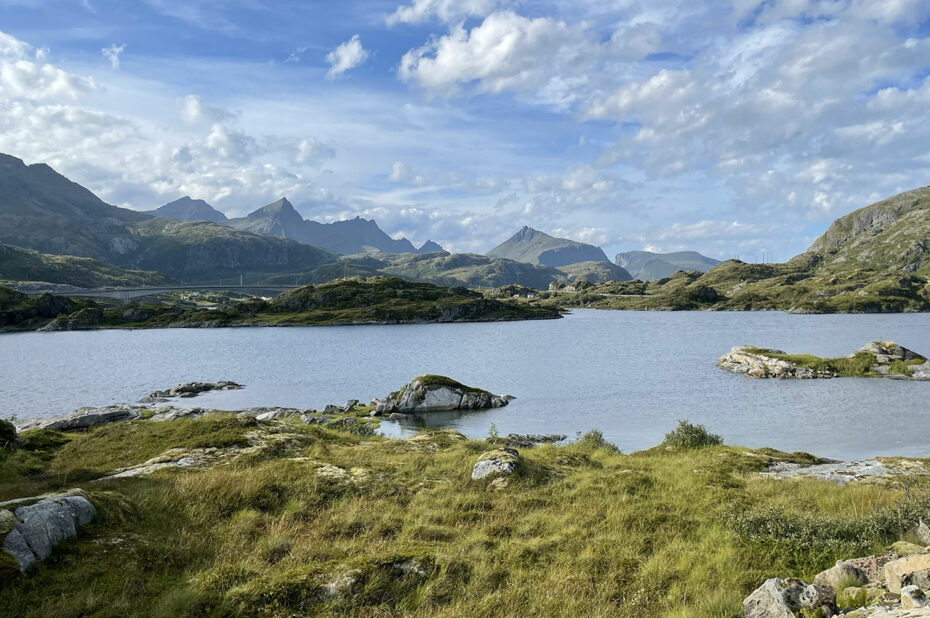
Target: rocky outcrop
x=784, y=598
x=875, y=359
x=499, y=461
x=432, y=393
x=763, y=363
x=884, y=586
x=529, y=440
x=84, y=418
x=190, y=389
x=844, y=472
x=32, y=530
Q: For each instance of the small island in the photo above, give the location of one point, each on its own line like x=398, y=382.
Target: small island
x=876, y=359
x=353, y=301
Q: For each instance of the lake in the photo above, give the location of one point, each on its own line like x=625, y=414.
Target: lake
x=630, y=374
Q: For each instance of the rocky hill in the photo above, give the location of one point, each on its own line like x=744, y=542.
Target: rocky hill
x=26, y=265
x=44, y=211
x=535, y=247
x=648, y=266
x=347, y=237
x=187, y=209
x=872, y=260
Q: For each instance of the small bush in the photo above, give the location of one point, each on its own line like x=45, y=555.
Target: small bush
x=688, y=435
x=595, y=439
x=9, y=440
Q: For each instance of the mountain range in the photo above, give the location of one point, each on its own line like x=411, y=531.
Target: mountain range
x=42, y=210
x=188, y=209
x=61, y=233
x=647, y=266
x=535, y=247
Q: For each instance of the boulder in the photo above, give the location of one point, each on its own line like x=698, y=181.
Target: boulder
x=923, y=532
x=350, y=405
x=775, y=598
x=903, y=548
x=498, y=461
x=841, y=576
x=332, y=409
x=39, y=526
x=784, y=598
x=432, y=393
x=906, y=571
x=527, y=440
x=912, y=597
x=84, y=418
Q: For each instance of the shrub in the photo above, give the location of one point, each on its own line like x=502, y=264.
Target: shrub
x=595, y=439
x=9, y=440
x=688, y=435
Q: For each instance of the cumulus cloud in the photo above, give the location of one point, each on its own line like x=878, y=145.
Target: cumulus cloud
x=112, y=53
x=193, y=111
x=346, y=56
x=447, y=11
x=25, y=75
x=406, y=174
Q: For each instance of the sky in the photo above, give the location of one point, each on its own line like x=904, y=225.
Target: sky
x=734, y=128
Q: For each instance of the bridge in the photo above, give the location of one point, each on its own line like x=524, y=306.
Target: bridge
x=125, y=294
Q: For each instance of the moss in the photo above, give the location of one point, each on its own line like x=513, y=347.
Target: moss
x=440, y=381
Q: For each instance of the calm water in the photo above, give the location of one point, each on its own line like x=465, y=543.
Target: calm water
x=629, y=374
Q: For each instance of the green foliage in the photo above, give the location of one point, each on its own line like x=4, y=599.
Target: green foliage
x=492, y=433
x=594, y=439
x=9, y=440
x=688, y=435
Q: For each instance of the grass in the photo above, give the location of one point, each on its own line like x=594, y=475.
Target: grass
x=580, y=529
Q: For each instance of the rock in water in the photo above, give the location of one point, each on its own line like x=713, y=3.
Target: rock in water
x=762, y=363
x=498, y=461
x=431, y=393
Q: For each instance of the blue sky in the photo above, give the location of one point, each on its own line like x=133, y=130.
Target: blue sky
x=730, y=128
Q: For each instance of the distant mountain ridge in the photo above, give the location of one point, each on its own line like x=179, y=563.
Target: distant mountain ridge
x=188, y=209
x=648, y=266
x=42, y=210
x=535, y=247
x=348, y=237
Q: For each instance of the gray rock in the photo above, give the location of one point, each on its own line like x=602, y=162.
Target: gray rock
x=15, y=545
x=532, y=439
x=923, y=532
x=912, y=597
x=841, y=575
x=499, y=461
x=331, y=409
x=84, y=418
x=421, y=396
x=350, y=405
x=775, y=598
x=44, y=524
x=190, y=389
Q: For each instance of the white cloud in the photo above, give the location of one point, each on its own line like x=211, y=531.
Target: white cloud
x=346, y=56
x=402, y=173
x=447, y=11
x=193, y=111
x=112, y=53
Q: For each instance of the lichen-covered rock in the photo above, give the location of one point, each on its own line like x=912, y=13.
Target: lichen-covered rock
x=775, y=598
x=760, y=363
x=841, y=574
x=432, y=393
x=38, y=527
x=906, y=571
x=84, y=418
x=784, y=598
x=912, y=597
x=903, y=548
x=498, y=461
